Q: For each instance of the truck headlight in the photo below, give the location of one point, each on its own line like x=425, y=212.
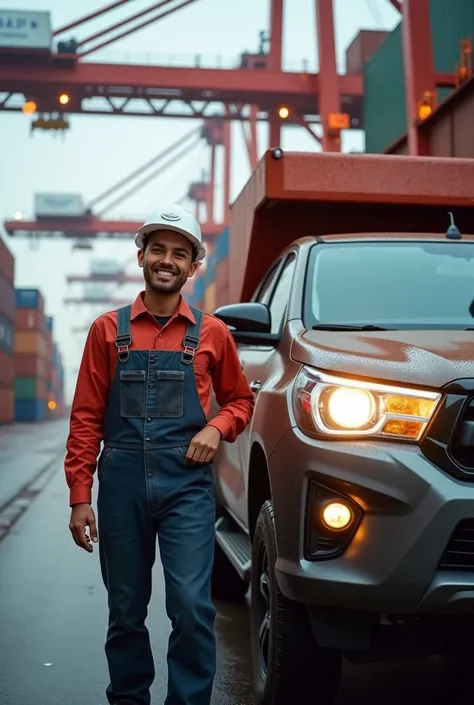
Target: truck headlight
x=336, y=406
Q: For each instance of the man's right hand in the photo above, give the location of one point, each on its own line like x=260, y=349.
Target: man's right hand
x=82, y=515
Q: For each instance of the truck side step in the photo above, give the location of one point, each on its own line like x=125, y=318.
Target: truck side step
x=235, y=544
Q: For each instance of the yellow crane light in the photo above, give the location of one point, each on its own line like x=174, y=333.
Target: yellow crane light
x=29, y=107
x=283, y=112
x=424, y=111
x=64, y=98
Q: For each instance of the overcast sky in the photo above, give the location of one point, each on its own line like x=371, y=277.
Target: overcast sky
x=97, y=151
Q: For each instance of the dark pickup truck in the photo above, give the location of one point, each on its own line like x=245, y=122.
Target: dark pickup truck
x=347, y=506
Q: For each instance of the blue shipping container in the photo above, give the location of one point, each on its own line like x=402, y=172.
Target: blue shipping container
x=29, y=298
x=49, y=323
x=30, y=409
x=210, y=273
x=222, y=246
x=7, y=333
x=199, y=288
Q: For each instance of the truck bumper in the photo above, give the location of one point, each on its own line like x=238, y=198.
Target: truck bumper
x=396, y=561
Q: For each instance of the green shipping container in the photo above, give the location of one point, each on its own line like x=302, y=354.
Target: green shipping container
x=29, y=388
x=384, y=101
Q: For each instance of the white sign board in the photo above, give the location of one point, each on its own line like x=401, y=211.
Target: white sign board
x=22, y=29
x=58, y=204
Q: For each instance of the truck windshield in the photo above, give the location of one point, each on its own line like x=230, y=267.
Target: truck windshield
x=391, y=285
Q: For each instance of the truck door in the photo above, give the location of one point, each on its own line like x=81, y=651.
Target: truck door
x=259, y=362
x=231, y=460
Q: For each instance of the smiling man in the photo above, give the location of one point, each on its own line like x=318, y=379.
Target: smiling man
x=144, y=389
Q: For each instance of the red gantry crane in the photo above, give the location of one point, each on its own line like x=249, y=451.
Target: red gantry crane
x=56, y=82
x=83, y=226
x=53, y=82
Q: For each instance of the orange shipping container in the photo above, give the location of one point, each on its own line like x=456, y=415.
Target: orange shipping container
x=210, y=298
x=30, y=343
x=7, y=404
x=222, y=274
x=30, y=319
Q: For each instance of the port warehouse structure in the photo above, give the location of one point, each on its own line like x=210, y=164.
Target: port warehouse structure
x=31, y=366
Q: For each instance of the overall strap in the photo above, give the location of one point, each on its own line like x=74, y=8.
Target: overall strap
x=192, y=337
x=123, y=339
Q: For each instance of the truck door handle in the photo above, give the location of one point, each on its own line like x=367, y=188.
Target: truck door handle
x=255, y=385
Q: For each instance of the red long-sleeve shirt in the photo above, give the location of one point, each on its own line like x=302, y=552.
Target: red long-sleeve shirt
x=216, y=364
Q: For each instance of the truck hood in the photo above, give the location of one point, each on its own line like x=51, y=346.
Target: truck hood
x=425, y=358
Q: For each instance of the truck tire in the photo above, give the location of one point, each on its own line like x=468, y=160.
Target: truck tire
x=226, y=584
x=288, y=666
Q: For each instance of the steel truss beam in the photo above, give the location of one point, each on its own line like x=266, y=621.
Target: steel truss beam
x=143, y=107
x=267, y=89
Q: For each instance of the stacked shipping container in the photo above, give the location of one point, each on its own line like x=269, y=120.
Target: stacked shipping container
x=33, y=354
x=7, y=323
x=385, y=100
x=56, y=384
x=222, y=269
x=31, y=369
x=211, y=289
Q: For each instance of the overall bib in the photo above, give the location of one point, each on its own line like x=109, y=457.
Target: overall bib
x=145, y=490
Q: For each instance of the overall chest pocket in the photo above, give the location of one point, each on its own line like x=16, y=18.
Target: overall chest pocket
x=132, y=393
x=169, y=393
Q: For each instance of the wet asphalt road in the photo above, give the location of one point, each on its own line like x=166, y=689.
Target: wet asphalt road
x=53, y=622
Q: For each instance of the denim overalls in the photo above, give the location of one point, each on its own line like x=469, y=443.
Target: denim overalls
x=146, y=489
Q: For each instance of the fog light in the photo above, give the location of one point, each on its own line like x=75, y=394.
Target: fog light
x=337, y=516
x=332, y=521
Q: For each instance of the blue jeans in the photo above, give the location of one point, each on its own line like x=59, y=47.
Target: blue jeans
x=142, y=496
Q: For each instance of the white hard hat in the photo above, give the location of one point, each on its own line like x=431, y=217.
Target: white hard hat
x=176, y=218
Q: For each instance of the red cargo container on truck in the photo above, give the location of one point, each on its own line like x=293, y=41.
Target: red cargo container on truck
x=347, y=503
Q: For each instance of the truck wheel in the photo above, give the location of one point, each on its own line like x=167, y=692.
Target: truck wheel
x=288, y=665
x=225, y=583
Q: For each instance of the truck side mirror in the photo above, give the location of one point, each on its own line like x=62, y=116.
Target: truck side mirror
x=246, y=318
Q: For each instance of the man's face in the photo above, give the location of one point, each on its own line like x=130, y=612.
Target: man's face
x=167, y=261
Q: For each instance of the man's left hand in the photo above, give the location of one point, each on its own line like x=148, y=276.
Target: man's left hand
x=204, y=445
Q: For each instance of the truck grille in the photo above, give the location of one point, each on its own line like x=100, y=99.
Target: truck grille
x=462, y=446
x=459, y=553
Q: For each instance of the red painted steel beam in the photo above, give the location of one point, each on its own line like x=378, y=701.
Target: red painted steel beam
x=249, y=133
x=91, y=16
x=88, y=227
x=212, y=186
x=329, y=97
x=227, y=165
x=89, y=80
x=418, y=68
x=276, y=53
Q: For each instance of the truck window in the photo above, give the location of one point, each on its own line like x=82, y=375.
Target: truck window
x=392, y=284
x=281, y=293
x=261, y=295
